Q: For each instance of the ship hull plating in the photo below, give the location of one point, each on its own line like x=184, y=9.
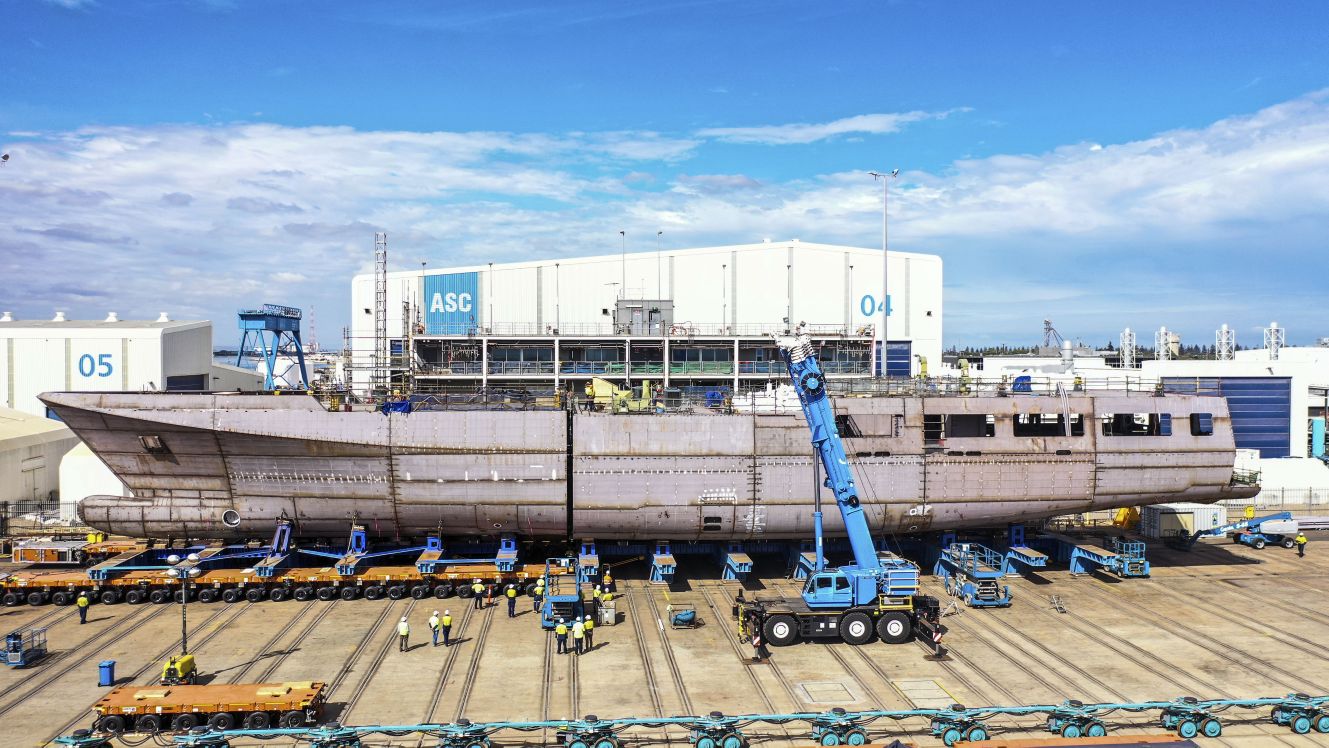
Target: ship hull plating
x=228, y=465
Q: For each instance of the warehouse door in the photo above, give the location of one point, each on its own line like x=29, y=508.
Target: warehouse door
x=899, y=358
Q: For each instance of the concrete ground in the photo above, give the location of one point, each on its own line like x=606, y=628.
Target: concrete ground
x=1222, y=621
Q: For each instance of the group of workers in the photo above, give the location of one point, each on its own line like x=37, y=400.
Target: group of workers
x=582, y=631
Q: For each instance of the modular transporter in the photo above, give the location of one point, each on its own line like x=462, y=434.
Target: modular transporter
x=230, y=465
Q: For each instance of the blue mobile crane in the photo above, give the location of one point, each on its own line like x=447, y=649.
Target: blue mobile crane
x=878, y=593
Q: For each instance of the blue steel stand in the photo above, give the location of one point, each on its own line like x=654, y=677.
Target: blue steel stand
x=663, y=564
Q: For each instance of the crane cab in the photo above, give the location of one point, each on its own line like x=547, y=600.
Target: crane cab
x=828, y=589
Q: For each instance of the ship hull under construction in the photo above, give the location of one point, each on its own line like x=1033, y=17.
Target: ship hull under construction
x=230, y=465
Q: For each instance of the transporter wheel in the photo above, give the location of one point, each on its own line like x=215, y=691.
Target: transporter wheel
x=730, y=740
x=781, y=630
x=11, y=599
x=976, y=734
x=856, y=628
x=112, y=723
x=278, y=594
x=442, y=591
x=62, y=598
x=373, y=592
x=304, y=594
x=209, y=595
x=894, y=627
x=109, y=597
x=855, y=737
x=291, y=719
x=254, y=594
x=349, y=593
x=135, y=597
x=1096, y=730
x=420, y=591
x=1210, y=727
x=397, y=592
x=706, y=741
x=1301, y=724
x=159, y=597
x=465, y=591
x=1322, y=723
x=329, y=593
x=951, y=736
x=529, y=589
x=258, y=721
x=608, y=741
x=1070, y=730
x=180, y=595
x=148, y=723
x=231, y=595
x=37, y=598
x=221, y=721
x=1188, y=729
x=829, y=739
x=184, y=722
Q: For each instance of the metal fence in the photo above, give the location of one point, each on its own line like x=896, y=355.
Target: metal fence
x=1283, y=498
x=26, y=518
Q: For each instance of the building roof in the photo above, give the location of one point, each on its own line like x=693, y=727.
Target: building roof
x=19, y=429
x=767, y=246
x=83, y=324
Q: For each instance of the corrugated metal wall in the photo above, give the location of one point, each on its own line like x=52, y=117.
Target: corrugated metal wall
x=1261, y=408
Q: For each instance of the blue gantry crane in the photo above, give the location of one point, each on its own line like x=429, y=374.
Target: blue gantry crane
x=269, y=331
x=877, y=594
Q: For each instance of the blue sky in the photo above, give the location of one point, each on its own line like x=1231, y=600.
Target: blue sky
x=1102, y=164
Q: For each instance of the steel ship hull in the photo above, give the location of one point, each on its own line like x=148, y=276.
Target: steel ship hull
x=229, y=465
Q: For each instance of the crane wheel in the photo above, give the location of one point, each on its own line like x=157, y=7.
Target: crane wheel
x=856, y=628
x=780, y=630
x=894, y=627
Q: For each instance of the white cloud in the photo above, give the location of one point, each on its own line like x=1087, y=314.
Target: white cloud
x=790, y=134
x=197, y=219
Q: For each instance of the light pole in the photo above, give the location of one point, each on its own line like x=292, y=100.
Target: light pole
x=659, y=283
x=184, y=575
x=885, y=274
x=623, y=263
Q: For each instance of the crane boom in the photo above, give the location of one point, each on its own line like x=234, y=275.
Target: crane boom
x=807, y=378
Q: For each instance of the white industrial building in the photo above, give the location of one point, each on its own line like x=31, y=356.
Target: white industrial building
x=110, y=355
x=30, y=451
x=708, y=312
